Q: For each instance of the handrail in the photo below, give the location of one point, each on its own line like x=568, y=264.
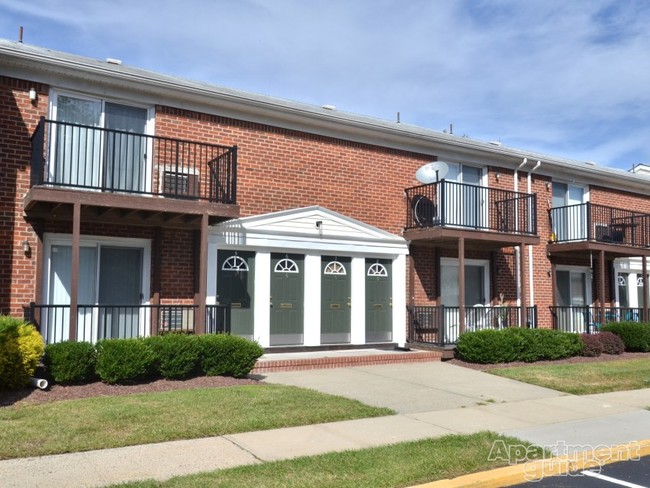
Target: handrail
x=453, y=204
x=77, y=156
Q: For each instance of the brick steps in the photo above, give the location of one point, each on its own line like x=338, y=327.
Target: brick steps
x=325, y=362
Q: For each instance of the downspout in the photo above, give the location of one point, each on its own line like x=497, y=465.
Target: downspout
x=531, y=286
x=517, y=249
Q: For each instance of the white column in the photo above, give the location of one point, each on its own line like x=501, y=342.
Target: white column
x=211, y=295
x=358, y=299
x=311, y=318
x=399, y=300
x=262, y=312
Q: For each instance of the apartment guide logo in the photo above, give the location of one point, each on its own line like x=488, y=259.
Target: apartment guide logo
x=561, y=459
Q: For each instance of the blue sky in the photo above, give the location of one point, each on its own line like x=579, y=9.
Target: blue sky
x=566, y=78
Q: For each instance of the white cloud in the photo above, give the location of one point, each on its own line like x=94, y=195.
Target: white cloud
x=566, y=78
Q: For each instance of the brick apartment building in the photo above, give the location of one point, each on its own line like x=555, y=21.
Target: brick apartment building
x=134, y=202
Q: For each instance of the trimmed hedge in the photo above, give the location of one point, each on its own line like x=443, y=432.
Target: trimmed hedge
x=124, y=360
x=176, y=355
x=21, y=348
x=227, y=355
x=71, y=362
x=517, y=344
x=171, y=356
x=635, y=335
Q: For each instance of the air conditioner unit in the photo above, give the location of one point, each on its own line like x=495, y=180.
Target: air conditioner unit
x=180, y=184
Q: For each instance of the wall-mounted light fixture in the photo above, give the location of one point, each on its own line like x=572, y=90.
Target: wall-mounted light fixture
x=32, y=94
x=497, y=176
x=319, y=224
x=26, y=247
x=548, y=185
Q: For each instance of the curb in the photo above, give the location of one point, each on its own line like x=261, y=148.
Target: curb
x=536, y=470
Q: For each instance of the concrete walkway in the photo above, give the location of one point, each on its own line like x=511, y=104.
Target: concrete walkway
x=432, y=400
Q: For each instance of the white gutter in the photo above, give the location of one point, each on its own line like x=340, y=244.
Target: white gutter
x=517, y=248
x=531, y=285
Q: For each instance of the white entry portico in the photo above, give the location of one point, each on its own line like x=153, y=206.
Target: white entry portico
x=312, y=248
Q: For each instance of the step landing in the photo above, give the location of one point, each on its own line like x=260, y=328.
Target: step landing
x=299, y=361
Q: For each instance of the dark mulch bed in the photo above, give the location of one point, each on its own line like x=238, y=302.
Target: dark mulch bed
x=573, y=360
x=59, y=392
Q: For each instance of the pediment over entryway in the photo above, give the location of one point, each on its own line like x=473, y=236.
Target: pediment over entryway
x=308, y=228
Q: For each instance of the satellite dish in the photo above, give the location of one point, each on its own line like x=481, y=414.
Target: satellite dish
x=432, y=172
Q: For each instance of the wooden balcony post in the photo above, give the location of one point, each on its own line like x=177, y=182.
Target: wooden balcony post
x=202, y=276
x=155, y=298
x=646, y=305
x=601, y=284
x=524, y=287
x=461, y=285
x=74, y=280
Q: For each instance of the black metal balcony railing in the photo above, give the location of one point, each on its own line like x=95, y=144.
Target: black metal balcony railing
x=591, y=222
x=439, y=325
x=67, y=155
x=448, y=203
x=95, y=322
x=587, y=320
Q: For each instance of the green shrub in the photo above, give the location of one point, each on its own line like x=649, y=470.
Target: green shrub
x=227, y=355
x=517, y=344
x=488, y=347
x=177, y=355
x=71, y=362
x=593, y=347
x=21, y=348
x=611, y=343
x=635, y=335
x=124, y=360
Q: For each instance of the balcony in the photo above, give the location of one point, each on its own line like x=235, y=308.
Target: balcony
x=447, y=210
x=587, y=320
x=440, y=325
x=586, y=226
x=129, y=177
x=95, y=322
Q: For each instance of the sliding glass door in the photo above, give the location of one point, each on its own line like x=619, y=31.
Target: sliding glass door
x=110, y=292
x=90, y=157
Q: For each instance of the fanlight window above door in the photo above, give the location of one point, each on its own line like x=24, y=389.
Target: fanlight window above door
x=335, y=268
x=377, y=269
x=234, y=263
x=286, y=266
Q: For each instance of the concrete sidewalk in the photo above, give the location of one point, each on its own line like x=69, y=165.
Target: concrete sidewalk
x=433, y=399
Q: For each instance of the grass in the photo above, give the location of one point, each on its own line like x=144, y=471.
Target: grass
x=584, y=378
x=403, y=464
x=105, y=422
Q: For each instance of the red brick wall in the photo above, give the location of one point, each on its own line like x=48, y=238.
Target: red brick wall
x=18, y=119
x=278, y=169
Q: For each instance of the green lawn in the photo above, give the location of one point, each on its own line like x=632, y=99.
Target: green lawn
x=104, y=422
x=584, y=378
x=397, y=465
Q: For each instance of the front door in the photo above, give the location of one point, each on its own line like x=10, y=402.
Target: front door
x=235, y=288
x=379, y=302
x=335, y=300
x=287, y=298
